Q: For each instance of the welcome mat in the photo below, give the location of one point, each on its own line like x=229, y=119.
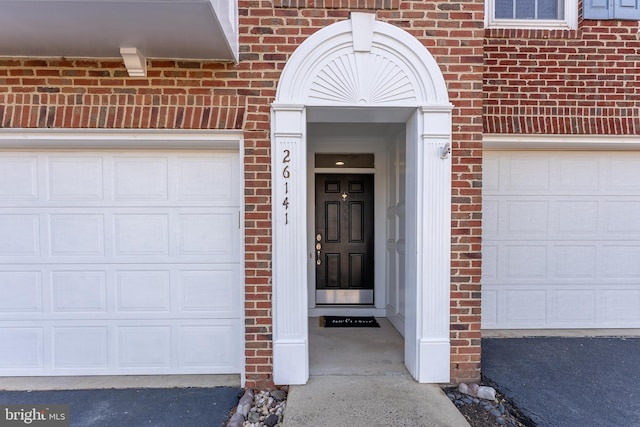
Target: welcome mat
x=348, y=322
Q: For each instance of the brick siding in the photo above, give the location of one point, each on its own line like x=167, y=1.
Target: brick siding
x=584, y=81
x=69, y=93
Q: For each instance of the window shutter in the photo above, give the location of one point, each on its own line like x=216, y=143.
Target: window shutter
x=611, y=9
x=627, y=9
x=596, y=9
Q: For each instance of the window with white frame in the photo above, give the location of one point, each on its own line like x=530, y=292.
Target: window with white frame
x=551, y=14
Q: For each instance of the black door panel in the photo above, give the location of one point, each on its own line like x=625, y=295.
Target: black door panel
x=344, y=238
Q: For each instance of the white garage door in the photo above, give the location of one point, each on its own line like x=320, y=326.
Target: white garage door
x=561, y=239
x=120, y=262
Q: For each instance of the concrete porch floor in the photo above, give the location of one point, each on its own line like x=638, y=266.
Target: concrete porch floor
x=355, y=351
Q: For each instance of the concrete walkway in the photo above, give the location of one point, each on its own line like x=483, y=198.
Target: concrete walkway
x=354, y=401
x=358, y=379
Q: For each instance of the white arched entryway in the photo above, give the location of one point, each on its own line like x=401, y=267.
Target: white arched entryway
x=364, y=67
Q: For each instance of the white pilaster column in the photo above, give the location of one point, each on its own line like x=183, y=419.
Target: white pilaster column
x=432, y=165
x=289, y=216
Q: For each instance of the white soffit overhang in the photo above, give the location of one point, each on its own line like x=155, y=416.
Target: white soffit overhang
x=176, y=29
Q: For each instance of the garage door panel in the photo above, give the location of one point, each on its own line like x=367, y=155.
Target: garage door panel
x=573, y=263
x=573, y=306
x=21, y=292
x=623, y=217
x=75, y=178
x=525, y=306
x=491, y=172
x=19, y=234
x=527, y=217
x=80, y=347
x=200, y=179
x=531, y=218
x=532, y=172
x=577, y=216
x=115, y=235
x=586, y=261
x=490, y=266
x=120, y=263
x=576, y=219
x=141, y=234
x=144, y=346
x=525, y=173
x=526, y=261
x=578, y=173
x=206, y=345
x=558, y=305
x=621, y=261
x=77, y=235
x=143, y=290
x=129, y=184
x=123, y=346
x=622, y=174
x=26, y=349
x=212, y=235
x=490, y=221
x=19, y=178
x=96, y=291
x=489, y=307
x=209, y=291
x=621, y=306
x=78, y=291
x=110, y=179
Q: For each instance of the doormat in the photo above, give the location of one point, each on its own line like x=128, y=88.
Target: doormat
x=348, y=322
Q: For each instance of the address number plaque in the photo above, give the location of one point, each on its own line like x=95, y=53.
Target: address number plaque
x=286, y=174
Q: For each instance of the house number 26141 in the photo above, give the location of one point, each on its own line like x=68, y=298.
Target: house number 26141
x=286, y=174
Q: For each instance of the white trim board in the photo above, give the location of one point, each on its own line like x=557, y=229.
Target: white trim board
x=560, y=142
x=18, y=138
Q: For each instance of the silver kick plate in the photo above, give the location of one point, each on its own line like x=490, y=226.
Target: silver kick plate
x=344, y=296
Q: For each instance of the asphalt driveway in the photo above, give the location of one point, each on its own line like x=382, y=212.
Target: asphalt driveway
x=568, y=381
x=168, y=407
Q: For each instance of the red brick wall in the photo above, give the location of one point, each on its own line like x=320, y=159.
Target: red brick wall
x=585, y=81
x=203, y=95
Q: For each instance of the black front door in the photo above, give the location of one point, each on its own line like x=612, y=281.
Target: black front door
x=344, y=238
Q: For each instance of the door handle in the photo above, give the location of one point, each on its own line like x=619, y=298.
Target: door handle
x=318, y=247
x=318, y=258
